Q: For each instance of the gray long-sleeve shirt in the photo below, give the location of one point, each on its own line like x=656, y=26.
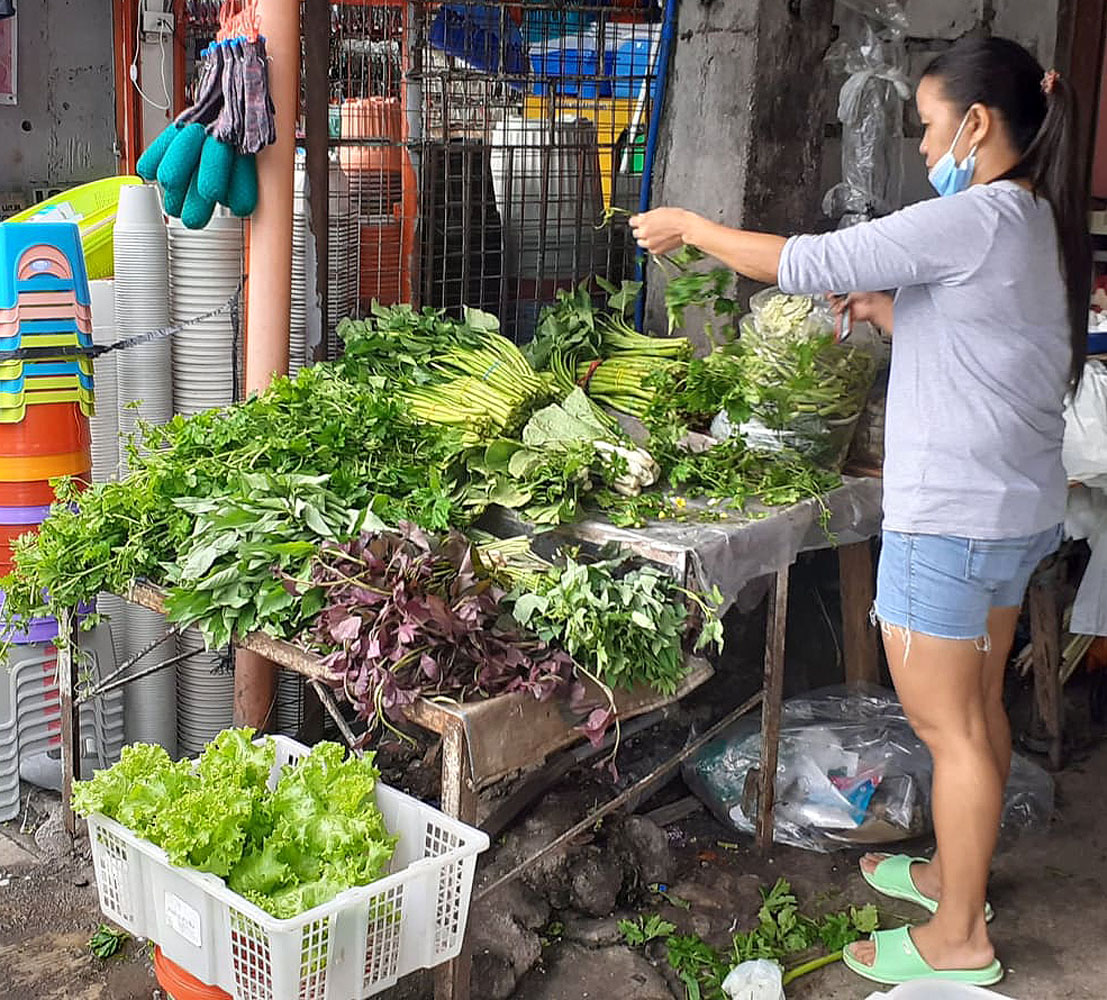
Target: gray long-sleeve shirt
x=980, y=356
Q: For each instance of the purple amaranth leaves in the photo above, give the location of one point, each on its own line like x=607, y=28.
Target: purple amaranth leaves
x=408, y=614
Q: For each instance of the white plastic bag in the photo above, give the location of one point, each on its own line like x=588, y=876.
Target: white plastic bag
x=760, y=980
x=1085, y=447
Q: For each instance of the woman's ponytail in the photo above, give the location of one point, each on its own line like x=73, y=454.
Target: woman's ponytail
x=1039, y=109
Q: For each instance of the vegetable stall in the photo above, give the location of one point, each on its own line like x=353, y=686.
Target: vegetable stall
x=510, y=548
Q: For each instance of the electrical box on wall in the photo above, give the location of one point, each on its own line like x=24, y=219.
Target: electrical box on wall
x=157, y=24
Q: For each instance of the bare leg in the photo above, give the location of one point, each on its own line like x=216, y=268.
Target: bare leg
x=941, y=689
x=1002, y=623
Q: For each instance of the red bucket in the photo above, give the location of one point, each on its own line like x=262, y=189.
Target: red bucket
x=47, y=429
x=180, y=985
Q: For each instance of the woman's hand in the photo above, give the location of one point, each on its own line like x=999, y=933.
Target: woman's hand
x=661, y=230
x=877, y=308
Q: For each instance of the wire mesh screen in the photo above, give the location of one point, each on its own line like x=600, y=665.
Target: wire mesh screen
x=476, y=149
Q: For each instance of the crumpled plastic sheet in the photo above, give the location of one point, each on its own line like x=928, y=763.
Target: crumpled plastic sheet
x=1085, y=447
x=848, y=758
x=738, y=555
x=873, y=52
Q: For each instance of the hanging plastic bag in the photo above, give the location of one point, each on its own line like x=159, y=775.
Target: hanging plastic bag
x=758, y=980
x=873, y=53
x=1085, y=447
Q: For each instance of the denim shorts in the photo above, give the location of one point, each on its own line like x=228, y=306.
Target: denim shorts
x=944, y=586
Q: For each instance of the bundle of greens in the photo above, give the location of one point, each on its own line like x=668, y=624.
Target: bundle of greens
x=622, y=625
x=600, y=351
x=458, y=374
x=316, y=833
x=406, y=615
x=308, y=457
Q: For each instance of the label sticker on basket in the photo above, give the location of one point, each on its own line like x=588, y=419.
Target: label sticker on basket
x=183, y=919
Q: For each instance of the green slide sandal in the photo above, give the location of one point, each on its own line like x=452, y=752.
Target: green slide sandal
x=892, y=877
x=898, y=961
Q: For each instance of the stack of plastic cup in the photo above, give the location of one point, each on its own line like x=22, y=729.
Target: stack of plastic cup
x=150, y=704
x=205, y=270
x=205, y=695
x=105, y=421
x=142, y=305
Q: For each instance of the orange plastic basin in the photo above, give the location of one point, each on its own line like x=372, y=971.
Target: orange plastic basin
x=180, y=985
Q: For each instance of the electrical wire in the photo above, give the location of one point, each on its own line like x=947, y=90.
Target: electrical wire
x=167, y=107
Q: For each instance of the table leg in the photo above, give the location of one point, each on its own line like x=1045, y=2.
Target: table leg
x=770, y=707
x=459, y=800
x=1045, y=637
x=855, y=578
x=70, y=718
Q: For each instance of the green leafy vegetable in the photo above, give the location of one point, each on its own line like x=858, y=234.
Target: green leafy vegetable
x=107, y=941
x=315, y=834
x=639, y=932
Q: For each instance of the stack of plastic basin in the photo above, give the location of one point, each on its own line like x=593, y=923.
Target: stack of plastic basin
x=30, y=715
x=51, y=440
x=44, y=303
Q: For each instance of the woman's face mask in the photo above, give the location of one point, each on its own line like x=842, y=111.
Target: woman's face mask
x=947, y=176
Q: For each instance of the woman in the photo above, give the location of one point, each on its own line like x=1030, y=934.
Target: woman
x=989, y=315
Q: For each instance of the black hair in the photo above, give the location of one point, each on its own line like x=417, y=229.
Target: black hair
x=1039, y=111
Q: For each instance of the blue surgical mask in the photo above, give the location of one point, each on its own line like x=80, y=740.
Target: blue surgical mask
x=947, y=176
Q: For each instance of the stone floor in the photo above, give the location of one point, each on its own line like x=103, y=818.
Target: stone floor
x=1048, y=889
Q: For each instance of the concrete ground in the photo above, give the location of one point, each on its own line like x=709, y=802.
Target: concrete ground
x=1048, y=890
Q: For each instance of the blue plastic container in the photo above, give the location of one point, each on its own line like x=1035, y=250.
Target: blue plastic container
x=1097, y=343
x=631, y=68
x=560, y=70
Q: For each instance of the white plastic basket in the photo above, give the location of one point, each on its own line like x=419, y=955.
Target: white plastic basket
x=357, y=945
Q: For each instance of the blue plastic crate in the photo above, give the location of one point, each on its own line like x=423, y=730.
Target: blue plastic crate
x=560, y=70
x=1097, y=343
x=631, y=68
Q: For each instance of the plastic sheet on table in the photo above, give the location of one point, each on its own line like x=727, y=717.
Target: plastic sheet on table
x=851, y=772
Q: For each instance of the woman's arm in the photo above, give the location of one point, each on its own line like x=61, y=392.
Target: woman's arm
x=940, y=240
x=755, y=255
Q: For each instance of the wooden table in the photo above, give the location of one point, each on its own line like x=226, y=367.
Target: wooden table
x=483, y=742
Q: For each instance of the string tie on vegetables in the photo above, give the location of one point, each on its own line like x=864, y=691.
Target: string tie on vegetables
x=583, y=382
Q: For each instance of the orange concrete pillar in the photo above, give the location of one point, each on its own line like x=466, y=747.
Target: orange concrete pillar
x=269, y=294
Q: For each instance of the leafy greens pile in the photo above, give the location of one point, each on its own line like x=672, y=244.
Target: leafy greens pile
x=407, y=615
x=782, y=934
x=215, y=500
x=315, y=834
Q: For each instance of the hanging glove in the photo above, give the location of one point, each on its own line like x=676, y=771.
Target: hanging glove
x=242, y=191
x=148, y=162
x=197, y=209
x=181, y=158
x=209, y=103
x=214, y=173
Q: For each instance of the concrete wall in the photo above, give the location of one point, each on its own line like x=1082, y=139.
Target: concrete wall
x=935, y=25
x=746, y=104
x=62, y=131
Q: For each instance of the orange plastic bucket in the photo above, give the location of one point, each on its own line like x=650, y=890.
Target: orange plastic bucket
x=46, y=429
x=39, y=467
x=180, y=985
x=37, y=492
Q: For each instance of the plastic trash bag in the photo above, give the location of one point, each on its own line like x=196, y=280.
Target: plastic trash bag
x=873, y=53
x=850, y=772
x=758, y=980
x=1086, y=517
x=1085, y=449
x=930, y=989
